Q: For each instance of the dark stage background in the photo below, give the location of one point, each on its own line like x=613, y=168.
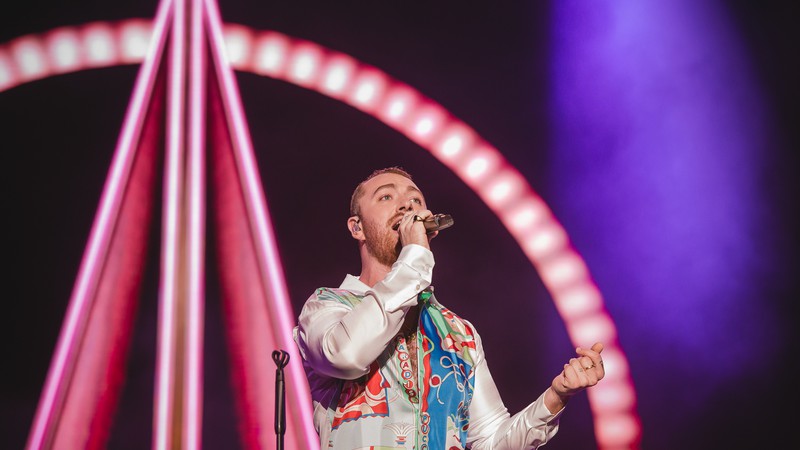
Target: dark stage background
x=488, y=64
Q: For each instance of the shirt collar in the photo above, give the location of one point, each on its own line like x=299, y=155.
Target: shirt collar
x=354, y=285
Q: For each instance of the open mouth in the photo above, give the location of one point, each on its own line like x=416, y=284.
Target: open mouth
x=397, y=224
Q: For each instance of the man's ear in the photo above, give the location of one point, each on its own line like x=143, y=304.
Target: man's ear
x=354, y=225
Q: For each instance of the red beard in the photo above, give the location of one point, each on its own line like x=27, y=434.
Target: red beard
x=383, y=243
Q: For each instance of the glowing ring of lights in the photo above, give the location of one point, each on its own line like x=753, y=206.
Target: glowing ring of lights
x=482, y=167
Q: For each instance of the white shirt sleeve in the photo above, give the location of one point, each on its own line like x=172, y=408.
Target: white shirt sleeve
x=492, y=427
x=342, y=341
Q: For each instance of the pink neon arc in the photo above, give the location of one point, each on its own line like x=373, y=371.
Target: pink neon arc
x=455, y=144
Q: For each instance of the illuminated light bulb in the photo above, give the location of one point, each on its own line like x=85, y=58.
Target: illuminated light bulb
x=238, y=45
x=563, y=270
x=455, y=143
x=477, y=167
x=612, y=396
x=500, y=190
x=519, y=220
x=368, y=90
x=134, y=39
x=397, y=107
x=452, y=146
x=337, y=74
x=503, y=189
x=64, y=49
x=423, y=126
x=545, y=241
x=579, y=300
x=426, y=124
x=336, y=79
x=305, y=64
x=616, y=430
x=270, y=54
x=30, y=58
x=529, y=213
x=99, y=45
x=483, y=162
x=398, y=103
x=365, y=92
x=596, y=328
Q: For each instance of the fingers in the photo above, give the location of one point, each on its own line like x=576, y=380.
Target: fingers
x=412, y=217
x=589, y=365
x=412, y=230
x=587, y=373
x=564, y=380
x=421, y=216
x=574, y=378
x=570, y=380
x=583, y=371
x=591, y=361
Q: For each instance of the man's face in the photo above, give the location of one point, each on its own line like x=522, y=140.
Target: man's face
x=386, y=198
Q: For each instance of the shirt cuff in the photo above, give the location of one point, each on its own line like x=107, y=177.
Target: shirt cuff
x=410, y=275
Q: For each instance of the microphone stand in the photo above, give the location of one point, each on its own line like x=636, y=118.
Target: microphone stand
x=281, y=359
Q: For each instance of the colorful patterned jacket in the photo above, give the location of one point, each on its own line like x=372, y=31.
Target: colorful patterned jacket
x=361, y=376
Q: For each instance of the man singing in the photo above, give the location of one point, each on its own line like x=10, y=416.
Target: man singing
x=391, y=367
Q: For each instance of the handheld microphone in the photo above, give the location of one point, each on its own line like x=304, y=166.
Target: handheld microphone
x=437, y=222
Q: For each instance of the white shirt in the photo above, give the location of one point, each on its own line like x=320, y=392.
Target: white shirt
x=339, y=341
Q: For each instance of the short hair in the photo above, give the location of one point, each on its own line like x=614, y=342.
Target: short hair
x=359, y=191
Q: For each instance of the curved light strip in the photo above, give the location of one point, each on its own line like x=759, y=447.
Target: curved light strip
x=481, y=166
